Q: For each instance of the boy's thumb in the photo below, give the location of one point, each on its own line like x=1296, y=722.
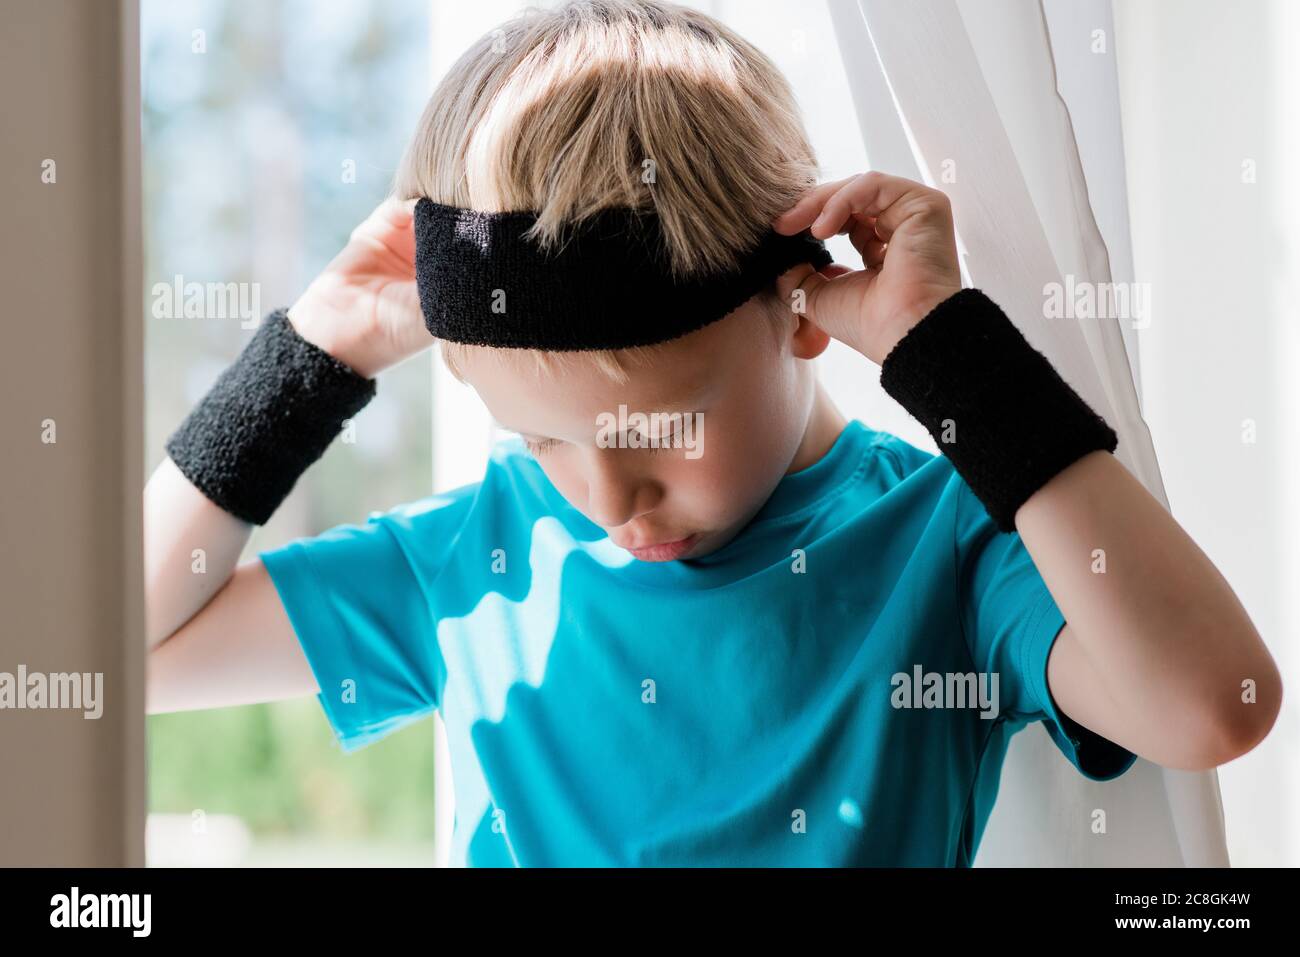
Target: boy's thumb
x=803, y=277
x=810, y=291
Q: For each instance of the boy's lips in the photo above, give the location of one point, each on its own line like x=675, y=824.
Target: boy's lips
x=663, y=551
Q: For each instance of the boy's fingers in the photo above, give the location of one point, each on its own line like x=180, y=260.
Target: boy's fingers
x=390, y=225
x=862, y=235
x=831, y=208
x=799, y=216
x=870, y=194
x=868, y=243
x=835, y=211
x=399, y=211
x=873, y=195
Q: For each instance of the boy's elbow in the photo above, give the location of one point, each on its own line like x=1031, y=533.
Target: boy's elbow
x=1247, y=721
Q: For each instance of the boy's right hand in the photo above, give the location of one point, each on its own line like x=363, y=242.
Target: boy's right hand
x=364, y=309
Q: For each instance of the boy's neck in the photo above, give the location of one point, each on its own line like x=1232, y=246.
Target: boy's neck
x=825, y=423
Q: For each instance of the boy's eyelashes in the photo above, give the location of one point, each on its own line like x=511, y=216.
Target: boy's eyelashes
x=542, y=446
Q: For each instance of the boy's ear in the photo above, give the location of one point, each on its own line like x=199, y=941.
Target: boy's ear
x=809, y=340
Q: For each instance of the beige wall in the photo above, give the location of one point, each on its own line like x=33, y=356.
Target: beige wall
x=71, y=789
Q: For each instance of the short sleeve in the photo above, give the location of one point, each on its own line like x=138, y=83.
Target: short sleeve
x=359, y=599
x=1011, y=622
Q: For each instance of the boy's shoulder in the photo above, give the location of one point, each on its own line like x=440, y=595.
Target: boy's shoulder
x=513, y=486
x=509, y=470
x=897, y=466
x=927, y=480
x=905, y=456
x=939, y=487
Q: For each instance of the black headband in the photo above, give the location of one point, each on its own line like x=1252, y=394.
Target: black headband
x=608, y=286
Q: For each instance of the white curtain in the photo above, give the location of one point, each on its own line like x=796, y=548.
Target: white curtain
x=1012, y=108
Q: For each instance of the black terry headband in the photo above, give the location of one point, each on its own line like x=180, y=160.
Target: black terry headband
x=608, y=286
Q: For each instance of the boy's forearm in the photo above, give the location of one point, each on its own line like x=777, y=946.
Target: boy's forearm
x=233, y=460
x=1157, y=620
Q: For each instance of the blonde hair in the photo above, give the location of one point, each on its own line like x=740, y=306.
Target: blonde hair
x=599, y=103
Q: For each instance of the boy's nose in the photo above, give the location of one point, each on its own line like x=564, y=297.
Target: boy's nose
x=615, y=498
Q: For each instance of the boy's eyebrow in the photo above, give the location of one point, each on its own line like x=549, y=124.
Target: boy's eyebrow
x=697, y=395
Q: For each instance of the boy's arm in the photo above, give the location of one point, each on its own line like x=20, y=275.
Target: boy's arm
x=178, y=580
x=1158, y=652
x=216, y=634
x=239, y=649
x=191, y=544
x=221, y=636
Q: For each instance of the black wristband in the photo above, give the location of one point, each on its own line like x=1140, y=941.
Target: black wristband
x=271, y=414
x=994, y=404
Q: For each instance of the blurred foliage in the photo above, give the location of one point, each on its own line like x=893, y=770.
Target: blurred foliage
x=279, y=768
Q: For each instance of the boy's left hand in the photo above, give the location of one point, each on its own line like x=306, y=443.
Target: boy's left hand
x=904, y=231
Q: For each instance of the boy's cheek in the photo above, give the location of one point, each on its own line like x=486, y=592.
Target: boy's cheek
x=728, y=480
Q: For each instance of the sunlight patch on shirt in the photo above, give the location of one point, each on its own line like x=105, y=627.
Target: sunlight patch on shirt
x=512, y=642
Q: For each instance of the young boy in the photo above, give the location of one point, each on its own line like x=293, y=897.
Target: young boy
x=770, y=637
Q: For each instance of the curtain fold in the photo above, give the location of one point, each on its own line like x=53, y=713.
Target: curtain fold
x=1012, y=108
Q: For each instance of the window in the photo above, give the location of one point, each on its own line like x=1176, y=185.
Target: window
x=269, y=131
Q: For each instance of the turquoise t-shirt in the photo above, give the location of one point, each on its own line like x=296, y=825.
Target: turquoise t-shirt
x=836, y=686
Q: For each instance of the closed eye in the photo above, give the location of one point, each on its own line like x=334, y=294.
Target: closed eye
x=674, y=437
x=667, y=442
